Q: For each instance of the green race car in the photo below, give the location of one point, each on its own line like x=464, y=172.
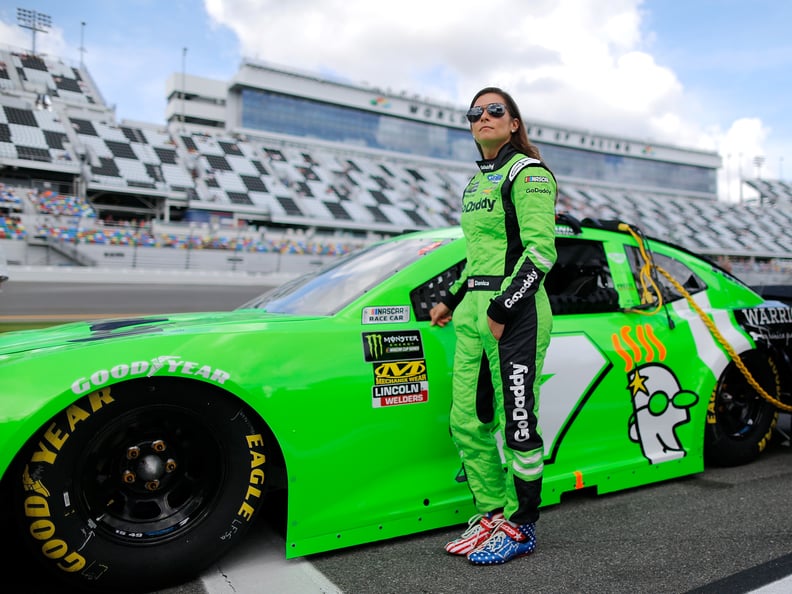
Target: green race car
x=136, y=452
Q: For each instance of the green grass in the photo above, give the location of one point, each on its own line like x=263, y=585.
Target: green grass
x=12, y=326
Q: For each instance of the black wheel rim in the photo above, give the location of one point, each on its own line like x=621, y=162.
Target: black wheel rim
x=150, y=474
x=739, y=408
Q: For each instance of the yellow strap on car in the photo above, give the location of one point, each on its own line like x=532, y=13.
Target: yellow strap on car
x=647, y=297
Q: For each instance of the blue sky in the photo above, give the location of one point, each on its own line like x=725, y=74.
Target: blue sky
x=702, y=74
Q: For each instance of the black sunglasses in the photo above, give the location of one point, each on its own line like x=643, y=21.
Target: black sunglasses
x=496, y=110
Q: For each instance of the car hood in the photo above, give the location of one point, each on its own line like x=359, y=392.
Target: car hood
x=108, y=329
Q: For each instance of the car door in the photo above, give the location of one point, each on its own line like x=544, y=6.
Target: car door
x=616, y=408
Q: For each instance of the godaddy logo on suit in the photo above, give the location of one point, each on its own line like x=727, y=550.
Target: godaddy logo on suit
x=519, y=413
x=520, y=293
x=484, y=204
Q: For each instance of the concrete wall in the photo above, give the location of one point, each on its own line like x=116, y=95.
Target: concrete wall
x=20, y=253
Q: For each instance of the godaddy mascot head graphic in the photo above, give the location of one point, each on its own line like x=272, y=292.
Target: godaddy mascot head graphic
x=660, y=405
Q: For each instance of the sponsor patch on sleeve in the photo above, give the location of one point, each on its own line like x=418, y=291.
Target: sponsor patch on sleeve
x=537, y=178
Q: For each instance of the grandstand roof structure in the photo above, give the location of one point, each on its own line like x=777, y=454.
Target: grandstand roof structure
x=275, y=147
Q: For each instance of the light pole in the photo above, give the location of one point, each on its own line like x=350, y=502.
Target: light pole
x=759, y=161
x=739, y=168
x=183, y=85
x=82, y=45
x=35, y=21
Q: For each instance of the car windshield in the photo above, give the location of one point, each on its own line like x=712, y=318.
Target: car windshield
x=326, y=291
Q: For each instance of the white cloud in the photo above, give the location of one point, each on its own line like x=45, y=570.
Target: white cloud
x=573, y=62
x=13, y=35
x=50, y=42
x=740, y=147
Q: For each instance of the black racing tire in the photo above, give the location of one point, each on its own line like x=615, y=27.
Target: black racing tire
x=740, y=422
x=140, y=486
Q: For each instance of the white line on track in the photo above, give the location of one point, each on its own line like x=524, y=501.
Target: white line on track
x=259, y=566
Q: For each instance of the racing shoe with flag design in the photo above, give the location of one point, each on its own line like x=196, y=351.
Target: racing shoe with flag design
x=506, y=543
x=480, y=528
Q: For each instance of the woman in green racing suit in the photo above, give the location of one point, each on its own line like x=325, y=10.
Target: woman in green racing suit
x=502, y=321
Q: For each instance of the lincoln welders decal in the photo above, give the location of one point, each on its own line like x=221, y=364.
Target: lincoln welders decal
x=392, y=346
x=401, y=393
x=660, y=404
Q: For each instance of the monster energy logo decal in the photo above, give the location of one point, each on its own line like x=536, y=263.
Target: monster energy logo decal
x=392, y=346
x=374, y=344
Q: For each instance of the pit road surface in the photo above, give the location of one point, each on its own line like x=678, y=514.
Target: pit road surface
x=68, y=300
x=727, y=530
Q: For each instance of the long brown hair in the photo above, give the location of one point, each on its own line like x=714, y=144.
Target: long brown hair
x=519, y=138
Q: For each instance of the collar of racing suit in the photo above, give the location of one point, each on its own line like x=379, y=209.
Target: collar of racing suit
x=506, y=152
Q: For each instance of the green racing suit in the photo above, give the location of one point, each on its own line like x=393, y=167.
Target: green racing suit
x=508, y=219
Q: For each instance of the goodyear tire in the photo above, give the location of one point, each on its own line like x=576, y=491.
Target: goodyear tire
x=139, y=486
x=740, y=421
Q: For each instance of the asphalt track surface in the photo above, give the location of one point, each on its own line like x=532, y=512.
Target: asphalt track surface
x=727, y=530
x=20, y=301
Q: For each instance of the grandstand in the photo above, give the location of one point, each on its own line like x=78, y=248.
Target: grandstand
x=771, y=192
x=281, y=162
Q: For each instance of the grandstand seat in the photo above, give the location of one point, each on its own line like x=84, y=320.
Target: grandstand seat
x=302, y=182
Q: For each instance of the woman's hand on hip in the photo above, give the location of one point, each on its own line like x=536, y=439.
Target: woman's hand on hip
x=495, y=328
